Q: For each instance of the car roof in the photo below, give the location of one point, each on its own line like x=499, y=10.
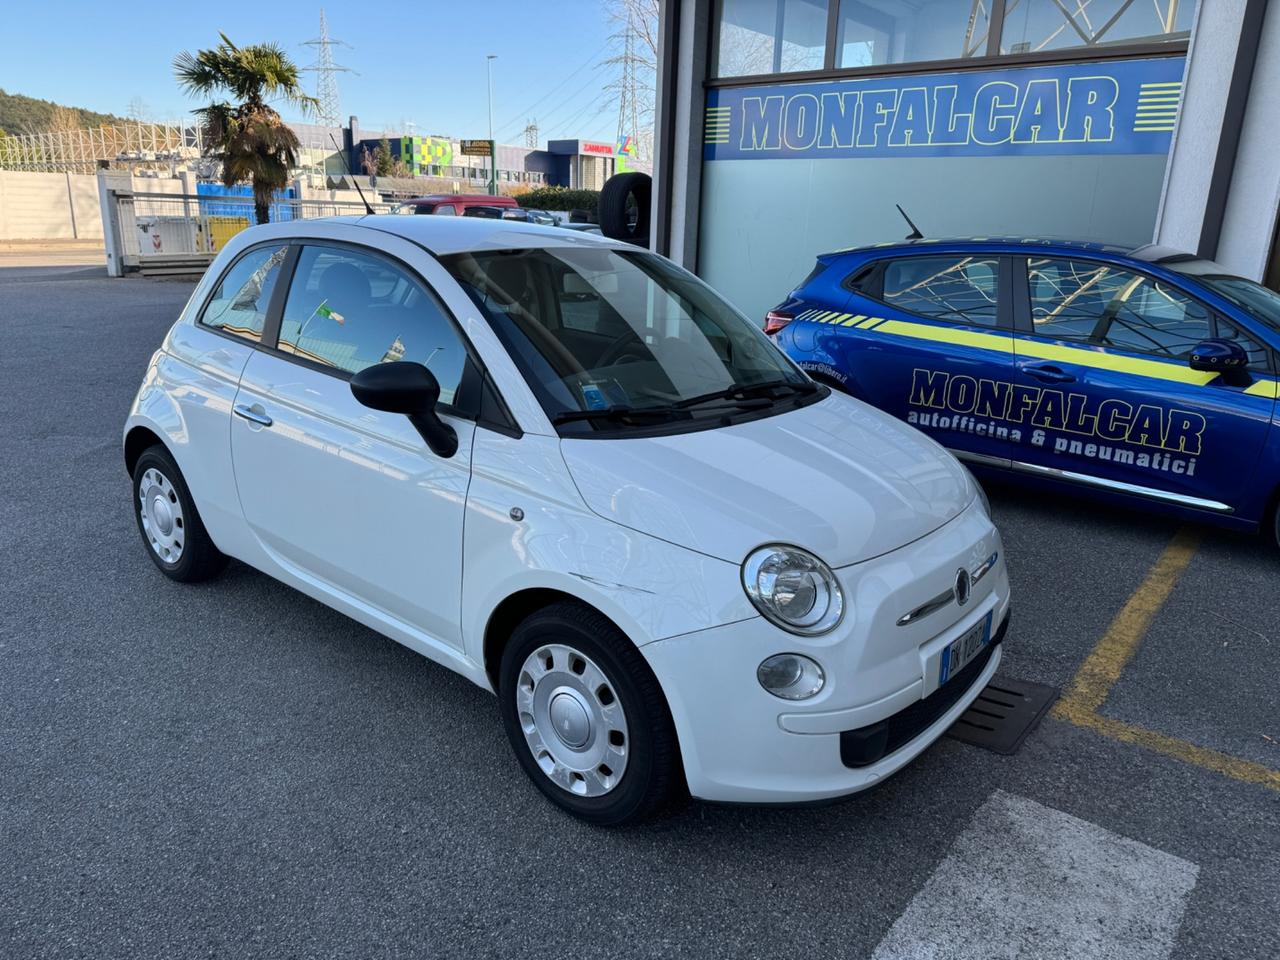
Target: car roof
x=445, y=235
x=1003, y=244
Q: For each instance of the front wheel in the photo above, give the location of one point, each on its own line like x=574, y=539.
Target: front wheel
x=167, y=518
x=586, y=717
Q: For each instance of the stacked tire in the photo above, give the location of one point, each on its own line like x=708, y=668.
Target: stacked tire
x=624, y=209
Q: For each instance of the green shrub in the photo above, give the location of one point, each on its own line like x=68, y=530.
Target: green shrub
x=559, y=198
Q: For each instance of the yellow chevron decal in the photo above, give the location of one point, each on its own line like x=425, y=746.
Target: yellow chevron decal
x=854, y=320
x=1156, y=369
x=964, y=338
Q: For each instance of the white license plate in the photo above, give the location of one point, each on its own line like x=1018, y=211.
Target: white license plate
x=963, y=649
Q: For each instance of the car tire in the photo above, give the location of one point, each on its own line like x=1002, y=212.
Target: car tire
x=612, y=207
x=587, y=718
x=168, y=521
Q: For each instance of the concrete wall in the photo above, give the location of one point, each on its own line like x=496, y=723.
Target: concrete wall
x=48, y=206
x=764, y=221
x=60, y=206
x=1222, y=203
x=1249, y=221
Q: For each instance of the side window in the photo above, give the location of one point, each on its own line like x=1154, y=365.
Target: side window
x=241, y=299
x=348, y=310
x=445, y=210
x=1084, y=300
x=952, y=288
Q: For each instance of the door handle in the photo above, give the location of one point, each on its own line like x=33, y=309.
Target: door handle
x=254, y=414
x=1050, y=374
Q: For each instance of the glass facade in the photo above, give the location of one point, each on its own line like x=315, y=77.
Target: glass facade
x=1034, y=26
x=771, y=36
x=874, y=32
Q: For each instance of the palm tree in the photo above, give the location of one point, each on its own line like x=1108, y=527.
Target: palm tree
x=247, y=136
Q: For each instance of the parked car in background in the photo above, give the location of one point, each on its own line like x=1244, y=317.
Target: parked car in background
x=567, y=469
x=1147, y=377
x=453, y=204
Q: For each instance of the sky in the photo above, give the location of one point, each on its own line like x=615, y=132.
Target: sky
x=414, y=63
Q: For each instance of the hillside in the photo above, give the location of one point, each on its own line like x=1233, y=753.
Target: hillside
x=19, y=114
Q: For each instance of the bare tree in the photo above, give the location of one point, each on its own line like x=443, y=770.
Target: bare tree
x=64, y=120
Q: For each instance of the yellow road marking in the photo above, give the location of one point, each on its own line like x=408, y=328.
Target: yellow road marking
x=1100, y=671
x=1103, y=667
x=1233, y=767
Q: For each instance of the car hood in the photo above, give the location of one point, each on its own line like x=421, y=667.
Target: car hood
x=838, y=478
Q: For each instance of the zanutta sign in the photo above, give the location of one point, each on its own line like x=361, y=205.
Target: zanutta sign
x=1121, y=107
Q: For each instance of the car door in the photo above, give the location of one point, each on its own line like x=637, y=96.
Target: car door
x=339, y=494
x=935, y=347
x=1106, y=390
x=200, y=372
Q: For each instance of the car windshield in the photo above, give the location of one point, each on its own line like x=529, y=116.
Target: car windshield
x=610, y=339
x=1256, y=300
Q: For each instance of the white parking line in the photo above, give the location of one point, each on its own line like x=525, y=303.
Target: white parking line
x=1024, y=880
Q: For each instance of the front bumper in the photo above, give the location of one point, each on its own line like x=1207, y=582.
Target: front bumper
x=741, y=744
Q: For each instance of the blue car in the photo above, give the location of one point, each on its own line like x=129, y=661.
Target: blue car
x=1141, y=376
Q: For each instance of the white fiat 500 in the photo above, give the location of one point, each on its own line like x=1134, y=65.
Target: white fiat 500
x=568, y=470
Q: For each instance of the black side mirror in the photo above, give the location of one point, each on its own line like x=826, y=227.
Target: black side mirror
x=1219, y=355
x=411, y=389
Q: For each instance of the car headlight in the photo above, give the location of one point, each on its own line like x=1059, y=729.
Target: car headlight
x=793, y=589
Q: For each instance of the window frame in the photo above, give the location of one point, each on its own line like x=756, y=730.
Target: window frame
x=989, y=59
x=1024, y=324
x=474, y=372
x=274, y=307
x=874, y=271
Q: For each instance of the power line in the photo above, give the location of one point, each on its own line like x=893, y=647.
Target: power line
x=528, y=111
x=604, y=103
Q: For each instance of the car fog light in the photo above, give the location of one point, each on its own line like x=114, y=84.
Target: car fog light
x=791, y=676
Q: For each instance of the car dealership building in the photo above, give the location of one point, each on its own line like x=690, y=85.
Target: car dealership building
x=790, y=128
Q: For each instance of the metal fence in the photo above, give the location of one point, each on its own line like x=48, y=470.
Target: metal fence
x=190, y=228
x=79, y=151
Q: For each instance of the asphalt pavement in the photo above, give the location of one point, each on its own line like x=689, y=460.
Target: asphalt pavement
x=233, y=770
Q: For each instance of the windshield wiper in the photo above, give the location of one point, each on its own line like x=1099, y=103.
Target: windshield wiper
x=616, y=412
x=741, y=391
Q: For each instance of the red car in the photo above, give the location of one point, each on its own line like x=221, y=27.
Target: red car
x=455, y=204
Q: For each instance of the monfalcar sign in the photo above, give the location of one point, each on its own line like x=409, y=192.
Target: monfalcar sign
x=1118, y=107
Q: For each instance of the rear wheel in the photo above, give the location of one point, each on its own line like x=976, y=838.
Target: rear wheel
x=175, y=537
x=586, y=717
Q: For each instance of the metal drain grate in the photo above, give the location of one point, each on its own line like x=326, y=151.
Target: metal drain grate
x=1004, y=713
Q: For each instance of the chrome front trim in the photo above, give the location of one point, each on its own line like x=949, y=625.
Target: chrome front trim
x=1070, y=476
x=928, y=607
x=942, y=599
x=984, y=568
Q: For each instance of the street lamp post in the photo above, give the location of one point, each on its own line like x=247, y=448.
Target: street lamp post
x=493, y=147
